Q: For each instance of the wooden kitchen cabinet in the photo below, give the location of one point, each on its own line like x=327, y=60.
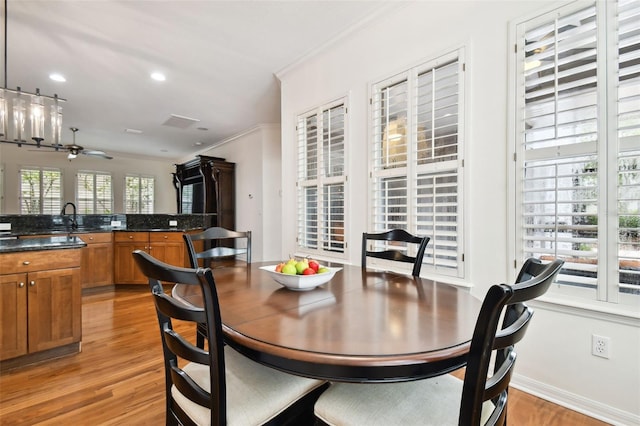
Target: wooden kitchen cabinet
x=167, y=247
x=97, y=259
x=13, y=315
x=40, y=297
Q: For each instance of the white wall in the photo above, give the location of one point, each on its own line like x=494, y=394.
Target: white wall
x=556, y=358
x=12, y=158
x=257, y=157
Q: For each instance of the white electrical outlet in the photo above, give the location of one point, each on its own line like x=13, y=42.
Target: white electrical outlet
x=116, y=223
x=5, y=227
x=600, y=346
x=173, y=223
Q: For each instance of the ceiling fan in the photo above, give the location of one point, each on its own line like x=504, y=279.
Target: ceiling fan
x=74, y=149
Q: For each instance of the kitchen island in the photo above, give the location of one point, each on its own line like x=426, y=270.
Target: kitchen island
x=40, y=299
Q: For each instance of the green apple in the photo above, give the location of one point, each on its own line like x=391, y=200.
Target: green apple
x=322, y=270
x=301, y=266
x=289, y=269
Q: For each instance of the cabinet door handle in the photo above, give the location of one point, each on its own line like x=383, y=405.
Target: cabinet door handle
x=26, y=262
x=165, y=237
x=131, y=237
x=21, y=285
x=32, y=283
x=90, y=238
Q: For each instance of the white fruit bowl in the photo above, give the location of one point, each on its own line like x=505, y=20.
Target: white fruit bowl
x=300, y=282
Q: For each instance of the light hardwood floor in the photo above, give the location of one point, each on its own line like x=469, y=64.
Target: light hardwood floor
x=117, y=379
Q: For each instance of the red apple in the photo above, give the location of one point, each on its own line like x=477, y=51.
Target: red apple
x=314, y=265
x=308, y=271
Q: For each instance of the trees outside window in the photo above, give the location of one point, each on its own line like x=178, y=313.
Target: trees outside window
x=94, y=192
x=40, y=190
x=139, y=194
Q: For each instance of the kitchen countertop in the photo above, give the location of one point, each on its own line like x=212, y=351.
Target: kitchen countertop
x=43, y=243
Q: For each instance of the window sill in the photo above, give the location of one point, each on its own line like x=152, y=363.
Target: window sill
x=621, y=314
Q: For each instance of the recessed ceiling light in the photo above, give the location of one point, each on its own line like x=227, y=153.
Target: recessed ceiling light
x=57, y=77
x=134, y=131
x=158, y=76
x=198, y=143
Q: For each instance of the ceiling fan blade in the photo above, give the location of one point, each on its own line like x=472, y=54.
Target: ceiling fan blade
x=94, y=153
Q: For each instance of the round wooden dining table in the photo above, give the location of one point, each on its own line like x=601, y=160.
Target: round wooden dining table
x=362, y=326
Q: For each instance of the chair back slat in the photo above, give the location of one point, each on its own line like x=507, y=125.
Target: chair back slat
x=499, y=381
x=189, y=388
x=185, y=349
x=506, y=302
x=512, y=334
x=395, y=235
x=175, y=309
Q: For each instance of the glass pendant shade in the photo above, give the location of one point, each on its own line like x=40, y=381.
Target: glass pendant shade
x=19, y=118
x=3, y=114
x=56, y=124
x=37, y=118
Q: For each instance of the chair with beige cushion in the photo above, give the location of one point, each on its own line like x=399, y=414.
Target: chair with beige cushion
x=217, y=386
x=447, y=400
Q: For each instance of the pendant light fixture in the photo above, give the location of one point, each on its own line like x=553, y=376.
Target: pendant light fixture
x=17, y=108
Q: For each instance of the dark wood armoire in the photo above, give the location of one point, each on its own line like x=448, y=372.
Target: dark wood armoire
x=207, y=185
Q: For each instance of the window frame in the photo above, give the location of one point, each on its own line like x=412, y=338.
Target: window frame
x=139, y=209
x=433, y=260
x=41, y=208
x=95, y=199
x=607, y=294
x=321, y=181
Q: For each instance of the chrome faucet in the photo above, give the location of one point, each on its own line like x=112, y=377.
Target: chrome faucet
x=74, y=218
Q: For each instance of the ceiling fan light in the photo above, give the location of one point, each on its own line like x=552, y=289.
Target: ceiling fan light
x=72, y=155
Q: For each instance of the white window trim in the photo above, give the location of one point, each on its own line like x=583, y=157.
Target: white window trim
x=41, y=169
x=141, y=176
x=95, y=173
x=320, y=254
x=624, y=313
x=461, y=277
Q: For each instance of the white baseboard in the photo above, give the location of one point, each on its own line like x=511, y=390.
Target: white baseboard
x=575, y=402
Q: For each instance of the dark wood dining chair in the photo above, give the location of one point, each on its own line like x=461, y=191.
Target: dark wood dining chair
x=395, y=252
x=217, y=386
x=447, y=400
x=218, y=244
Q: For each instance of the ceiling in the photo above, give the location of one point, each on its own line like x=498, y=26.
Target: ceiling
x=219, y=58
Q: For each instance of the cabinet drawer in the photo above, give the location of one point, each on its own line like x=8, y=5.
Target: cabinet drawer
x=98, y=237
x=29, y=261
x=140, y=237
x=158, y=237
